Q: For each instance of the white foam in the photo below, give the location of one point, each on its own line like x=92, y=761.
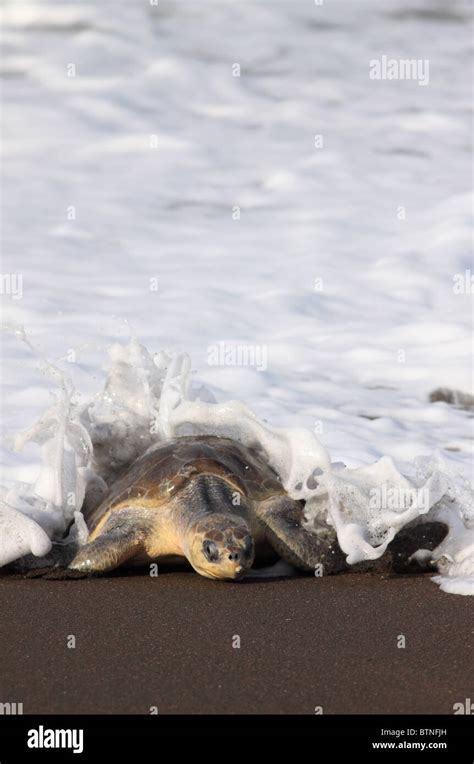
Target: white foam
x=147, y=399
x=457, y=585
x=20, y=535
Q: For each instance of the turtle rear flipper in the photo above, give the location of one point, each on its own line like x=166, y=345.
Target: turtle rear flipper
x=283, y=520
x=121, y=538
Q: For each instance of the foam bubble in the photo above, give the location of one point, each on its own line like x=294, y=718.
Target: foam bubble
x=20, y=536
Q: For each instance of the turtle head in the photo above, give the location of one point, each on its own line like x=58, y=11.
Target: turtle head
x=221, y=547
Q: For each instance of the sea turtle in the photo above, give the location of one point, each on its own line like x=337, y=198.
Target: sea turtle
x=206, y=499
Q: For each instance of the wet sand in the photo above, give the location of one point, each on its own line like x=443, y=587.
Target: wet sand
x=168, y=642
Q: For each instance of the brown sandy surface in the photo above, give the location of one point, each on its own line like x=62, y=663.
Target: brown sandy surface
x=168, y=642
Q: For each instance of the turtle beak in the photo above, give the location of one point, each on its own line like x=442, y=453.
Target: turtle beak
x=236, y=557
x=239, y=572
x=238, y=562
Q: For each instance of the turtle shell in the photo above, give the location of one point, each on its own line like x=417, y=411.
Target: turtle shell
x=164, y=469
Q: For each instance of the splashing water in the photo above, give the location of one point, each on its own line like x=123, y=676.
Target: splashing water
x=149, y=398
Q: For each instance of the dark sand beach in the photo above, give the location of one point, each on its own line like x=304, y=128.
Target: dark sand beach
x=168, y=642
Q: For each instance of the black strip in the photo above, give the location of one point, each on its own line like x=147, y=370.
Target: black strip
x=137, y=737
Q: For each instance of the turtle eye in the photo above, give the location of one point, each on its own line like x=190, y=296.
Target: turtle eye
x=210, y=550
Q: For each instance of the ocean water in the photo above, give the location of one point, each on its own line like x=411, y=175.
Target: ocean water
x=301, y=231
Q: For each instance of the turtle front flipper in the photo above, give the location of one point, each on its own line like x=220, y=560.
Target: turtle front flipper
x=121, y=538
x=283, y=520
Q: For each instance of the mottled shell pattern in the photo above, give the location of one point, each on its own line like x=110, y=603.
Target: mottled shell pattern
x=166, y=468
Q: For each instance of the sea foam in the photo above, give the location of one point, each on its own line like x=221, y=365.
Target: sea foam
x=148, y=398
